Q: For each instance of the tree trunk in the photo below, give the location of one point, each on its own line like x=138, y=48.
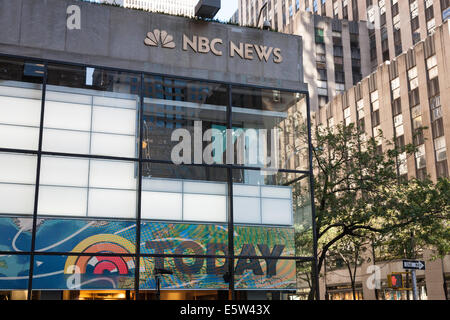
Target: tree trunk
x=311, y=294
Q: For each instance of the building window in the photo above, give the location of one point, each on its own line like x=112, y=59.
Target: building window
x=441, y=157
x=319, y=35
x=322, y=74
x=323, y=100
x=397, y=107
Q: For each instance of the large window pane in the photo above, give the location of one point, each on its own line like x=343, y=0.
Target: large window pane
x=269, y=274
x=14, y=272
x=20, y=103
x=86, y=236
x=184, y=193
x=83, y=272
x=278, y=203
x=87, y=187
x=15, y=233
x=17, y=183
x=187, y=273
x=184, y=238
x=270, y=128
x=91, y=111
x=187, y=111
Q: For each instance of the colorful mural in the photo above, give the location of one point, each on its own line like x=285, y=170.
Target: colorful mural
x=91, y=271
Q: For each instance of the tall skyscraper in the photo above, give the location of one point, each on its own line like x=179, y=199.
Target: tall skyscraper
x=382, y=65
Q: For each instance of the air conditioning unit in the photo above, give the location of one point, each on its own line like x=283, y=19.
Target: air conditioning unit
x=207, y=8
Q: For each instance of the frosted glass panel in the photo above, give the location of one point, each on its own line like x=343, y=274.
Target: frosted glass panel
x=115, y=102
x=161, y=205
x=162, y=185
x=67, y=116
x=276, y=212
x=244, y=190
x=112, y=203
x=113, y=145
x=16, y=168
x=205, y=187
x=14, y=137
x=21, y=92
x=112, y=174
x=199, y=207
x=246, y=210
x=16, y=199
x=115, y=120
x=66, y=141
x=20, y=111
x=64, y=171
x=67, y=97
x=275, y=192
x=62, y=201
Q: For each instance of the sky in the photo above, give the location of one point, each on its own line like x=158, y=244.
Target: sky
x=227, y=9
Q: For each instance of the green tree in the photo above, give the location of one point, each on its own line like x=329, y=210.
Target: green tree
x=348, y=250
x=420, y=218
x=358, y=195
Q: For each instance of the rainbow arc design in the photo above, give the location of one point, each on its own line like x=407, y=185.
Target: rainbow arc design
x=99, y=265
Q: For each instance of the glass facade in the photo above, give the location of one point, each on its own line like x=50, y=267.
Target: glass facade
x=109, y=176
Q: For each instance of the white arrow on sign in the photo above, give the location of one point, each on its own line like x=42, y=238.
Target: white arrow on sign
x=413, y=264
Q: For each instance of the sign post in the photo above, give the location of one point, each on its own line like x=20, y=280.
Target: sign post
x=414, y=284
x=414, y=265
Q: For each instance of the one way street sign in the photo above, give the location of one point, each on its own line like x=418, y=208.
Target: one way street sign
x=414, y=264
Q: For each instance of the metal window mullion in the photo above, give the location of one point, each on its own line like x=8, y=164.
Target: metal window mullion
x=37, y=181
x=230, y=209
x=137, y=271
x=313, y=207
x=88, y=189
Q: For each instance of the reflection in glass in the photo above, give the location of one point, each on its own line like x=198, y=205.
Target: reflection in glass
x=270, y=128
x=190, y=108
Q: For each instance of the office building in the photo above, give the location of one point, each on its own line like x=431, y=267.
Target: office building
x=148, y=153
x=395, y=26
x=408, y=100
x=335, y=52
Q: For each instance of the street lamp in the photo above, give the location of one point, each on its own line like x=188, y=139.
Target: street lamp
x=158, y=273
x=266, y=24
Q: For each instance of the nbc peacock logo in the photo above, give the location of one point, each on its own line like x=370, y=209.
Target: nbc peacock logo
x=158, y=38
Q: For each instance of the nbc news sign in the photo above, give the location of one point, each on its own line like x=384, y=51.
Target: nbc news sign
x=216, y=46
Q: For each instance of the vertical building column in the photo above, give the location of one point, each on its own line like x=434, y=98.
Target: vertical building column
x=364, y=48
x=426, y=115
x=345, y=33
x=405, y=24
x=434, y=277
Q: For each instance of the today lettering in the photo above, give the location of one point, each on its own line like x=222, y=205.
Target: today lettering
x=197, y=263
